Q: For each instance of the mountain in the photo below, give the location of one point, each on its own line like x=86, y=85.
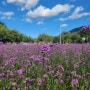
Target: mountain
x=75, y=29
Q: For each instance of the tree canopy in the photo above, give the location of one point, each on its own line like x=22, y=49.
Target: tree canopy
x=8, y=35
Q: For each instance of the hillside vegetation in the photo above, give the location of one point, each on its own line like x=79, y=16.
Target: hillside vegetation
x=8, y=35
x=74, y=36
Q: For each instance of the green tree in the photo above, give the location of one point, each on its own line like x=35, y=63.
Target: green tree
x=85, y=32
x=76, y=38
x=4, y=35
x=45, y=38
x=66, y=37
x=27, y=39
x=8, y=35
x=56, y=39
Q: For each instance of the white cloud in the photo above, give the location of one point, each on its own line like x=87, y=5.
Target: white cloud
x=3, y=2
x=24, y=4
x=40, y=22
x=63, y=25
x=76, y=14
x=27, y=20
x=3, y=17
x=15, y=1
x=6, y=15
x=42, y=12
x=0, y=13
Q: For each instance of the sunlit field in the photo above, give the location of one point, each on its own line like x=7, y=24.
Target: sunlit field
x=44, y=66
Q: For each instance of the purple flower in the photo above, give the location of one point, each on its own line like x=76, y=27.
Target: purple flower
x=27, y=53
x=78, y=76
x=39, y=81
x=76, y=66
x=40, y=63
x=28, y=61
x=46, y=59
x=27, y=79
x=13, y=59
x=8, y=71
x=86, y=27
x=5, y=55
x=1, y=67
x=2, y=74
x=61, y=81
x=11, y=73
x=32, y=80
x=49, y=67
x=32, y=57
x=20, y=71
x=7, y=63
x=88, y=73
x=45, y=76
x=13, y=84
x=21, y=76
x=61, y=67
x=30, y=87
x=73, y=72
x=18, y=89
x=1, y=43
x=45, y=48
x=58, y=75
x=74, y=81
x=52, y=72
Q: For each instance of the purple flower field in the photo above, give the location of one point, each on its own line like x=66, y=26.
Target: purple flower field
x=45, y=67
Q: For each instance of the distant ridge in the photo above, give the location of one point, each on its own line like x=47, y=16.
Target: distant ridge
x=76, y=29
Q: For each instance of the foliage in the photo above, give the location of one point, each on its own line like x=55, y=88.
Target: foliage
x=56, y=39
x=45, y=38
x=27, y=39
x=8, y=35
x=66, y=37
x=85, y=32
x=74, y=36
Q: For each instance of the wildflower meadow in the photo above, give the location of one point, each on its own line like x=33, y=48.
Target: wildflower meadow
x=44, y=66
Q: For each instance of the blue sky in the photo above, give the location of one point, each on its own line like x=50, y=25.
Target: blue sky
x=34, y=17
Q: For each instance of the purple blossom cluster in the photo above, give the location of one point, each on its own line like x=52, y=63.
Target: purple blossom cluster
x=1, y=43
x=45, y=48
x=45, y=67
x=86, y=27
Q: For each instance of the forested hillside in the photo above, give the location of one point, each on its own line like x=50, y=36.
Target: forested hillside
x=73, y=36
x=8, y=35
